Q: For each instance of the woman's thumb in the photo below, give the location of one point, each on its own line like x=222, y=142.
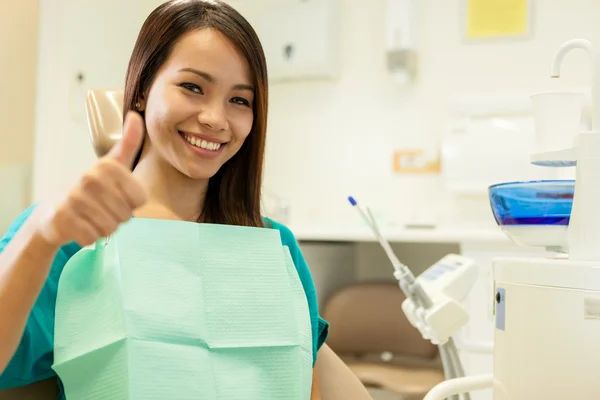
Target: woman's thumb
x=126, y=149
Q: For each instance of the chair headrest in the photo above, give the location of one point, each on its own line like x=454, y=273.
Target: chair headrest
x=367, y=318
x=104, y=110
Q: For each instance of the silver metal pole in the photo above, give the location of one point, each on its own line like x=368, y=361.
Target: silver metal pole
x=457, y=364
x=448, y=364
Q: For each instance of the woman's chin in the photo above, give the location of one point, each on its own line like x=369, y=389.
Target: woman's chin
x=200, y=174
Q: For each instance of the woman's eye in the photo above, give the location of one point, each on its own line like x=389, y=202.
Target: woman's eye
x=240, y=101
x=192, y=87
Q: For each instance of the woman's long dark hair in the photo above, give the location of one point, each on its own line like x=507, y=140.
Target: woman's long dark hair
x=233, y=195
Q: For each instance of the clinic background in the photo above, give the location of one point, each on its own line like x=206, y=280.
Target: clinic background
x=327, y=138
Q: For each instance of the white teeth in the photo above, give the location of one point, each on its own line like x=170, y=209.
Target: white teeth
x=203, y=143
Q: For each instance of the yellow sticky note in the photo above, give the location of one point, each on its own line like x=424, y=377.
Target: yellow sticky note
x=497, y=18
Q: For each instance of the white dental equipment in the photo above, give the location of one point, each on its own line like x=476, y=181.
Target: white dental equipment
x=447, y=282
x=433, y=299
x=547, y=311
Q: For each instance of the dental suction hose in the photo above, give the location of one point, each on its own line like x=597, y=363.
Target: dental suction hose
x=457, y=386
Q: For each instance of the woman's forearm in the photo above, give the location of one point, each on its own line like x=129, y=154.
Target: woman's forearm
x=336, y=380
x=24, y=267
x=315, y=393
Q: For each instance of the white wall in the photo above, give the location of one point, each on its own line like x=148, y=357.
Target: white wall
x=18, y=43
x=77, y=36
x=329, y=140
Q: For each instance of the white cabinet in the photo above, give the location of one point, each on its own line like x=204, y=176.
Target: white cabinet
x=301, y=39
x=479, y=305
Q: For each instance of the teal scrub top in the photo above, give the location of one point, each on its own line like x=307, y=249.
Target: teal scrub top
x=33, y=359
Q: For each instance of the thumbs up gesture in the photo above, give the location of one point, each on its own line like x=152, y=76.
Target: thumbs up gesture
x=104, y=197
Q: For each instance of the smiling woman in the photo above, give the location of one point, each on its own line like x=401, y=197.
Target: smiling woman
x=192, y=149
x=202, y=76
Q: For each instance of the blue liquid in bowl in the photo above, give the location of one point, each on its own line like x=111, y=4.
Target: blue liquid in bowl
x=532, y=203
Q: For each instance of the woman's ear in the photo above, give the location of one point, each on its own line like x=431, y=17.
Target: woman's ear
x=140, y=105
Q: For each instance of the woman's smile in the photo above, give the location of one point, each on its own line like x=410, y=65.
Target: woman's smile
x=202, y=145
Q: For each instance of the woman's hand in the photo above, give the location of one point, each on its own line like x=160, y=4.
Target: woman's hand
x=104, y=197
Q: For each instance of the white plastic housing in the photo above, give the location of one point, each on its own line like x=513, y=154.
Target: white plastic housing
x=453, y=277
x=301, y=40
x=438, y=323
x=448, y=282
x=547, y=329
x=584, y=226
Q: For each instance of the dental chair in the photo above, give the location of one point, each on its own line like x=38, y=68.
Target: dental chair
x=369, y=331
x=104, y=109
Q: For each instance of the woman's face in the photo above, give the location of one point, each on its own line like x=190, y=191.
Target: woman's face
x=198, y=110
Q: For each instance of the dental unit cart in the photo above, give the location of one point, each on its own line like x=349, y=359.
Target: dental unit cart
x=432, y=303
x=546, y=310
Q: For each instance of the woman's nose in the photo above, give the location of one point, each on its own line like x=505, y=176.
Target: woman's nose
x=214, y=116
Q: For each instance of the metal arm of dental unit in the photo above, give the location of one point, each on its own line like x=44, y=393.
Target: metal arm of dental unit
x=432, y=303
x=583, y=234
